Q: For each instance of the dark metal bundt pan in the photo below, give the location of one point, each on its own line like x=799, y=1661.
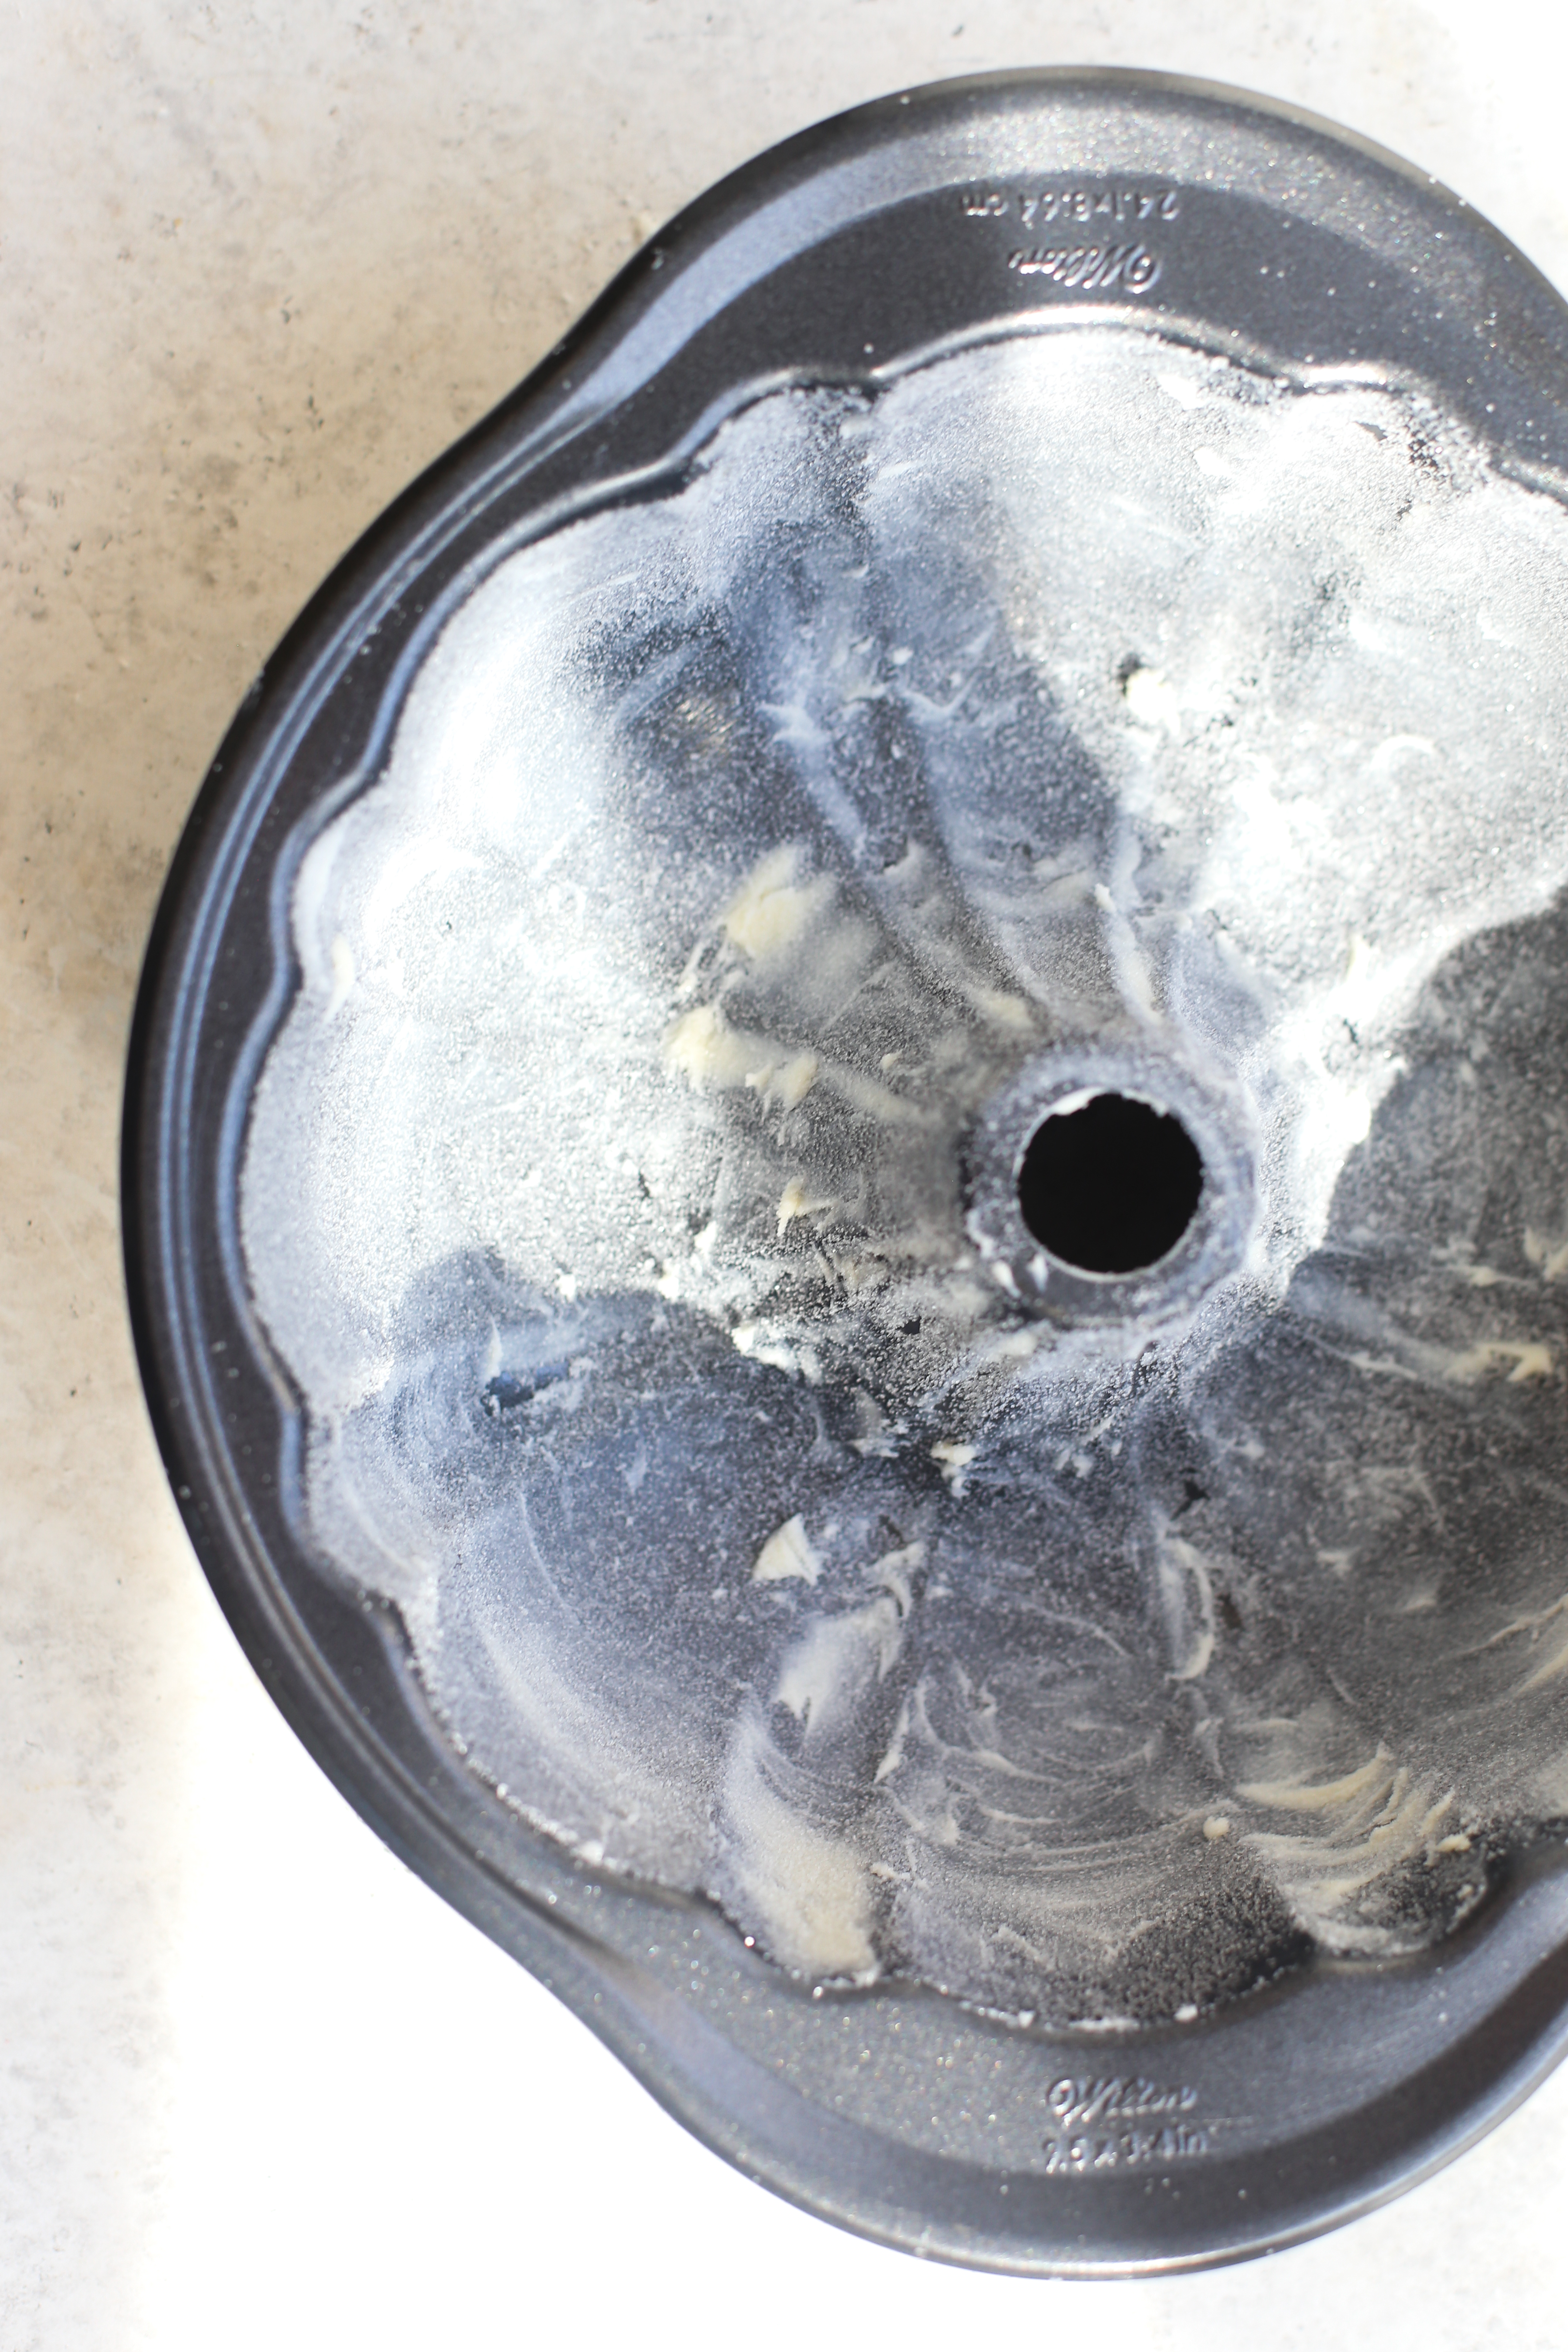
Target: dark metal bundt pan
x=1092, y=1719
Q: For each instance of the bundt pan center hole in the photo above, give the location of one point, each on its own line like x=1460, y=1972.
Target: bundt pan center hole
x=1109, y=1185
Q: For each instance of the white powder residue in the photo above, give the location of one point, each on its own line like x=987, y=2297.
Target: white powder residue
x=787, y=1552
x=606, y=1189
x=806, y=1887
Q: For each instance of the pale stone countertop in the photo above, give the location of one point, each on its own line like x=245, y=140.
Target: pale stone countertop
x=258, y=267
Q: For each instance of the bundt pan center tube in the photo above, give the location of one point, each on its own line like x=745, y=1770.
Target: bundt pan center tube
x=847, y=1179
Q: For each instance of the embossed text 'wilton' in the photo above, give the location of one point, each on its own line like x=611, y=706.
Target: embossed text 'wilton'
x=1113, y=2096
x=1092, y=267
x=1083, y=2108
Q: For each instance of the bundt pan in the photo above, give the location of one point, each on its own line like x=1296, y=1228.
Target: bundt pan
x=847, y=1172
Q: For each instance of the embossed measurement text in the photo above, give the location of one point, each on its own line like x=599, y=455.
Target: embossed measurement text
x=1106, y=2151
x=1073, y=205
x=1104, y=2121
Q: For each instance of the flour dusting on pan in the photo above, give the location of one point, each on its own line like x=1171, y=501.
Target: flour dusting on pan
x=609, y=1191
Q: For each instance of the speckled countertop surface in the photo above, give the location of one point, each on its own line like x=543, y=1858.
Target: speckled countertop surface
x=257, y=268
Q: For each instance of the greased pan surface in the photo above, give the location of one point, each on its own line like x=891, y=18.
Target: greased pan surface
x=1048, y=1750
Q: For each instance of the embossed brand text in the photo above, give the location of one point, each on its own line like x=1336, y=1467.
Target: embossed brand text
x=1090, y=266
x=1091, y=2099
x=1108, y=2120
